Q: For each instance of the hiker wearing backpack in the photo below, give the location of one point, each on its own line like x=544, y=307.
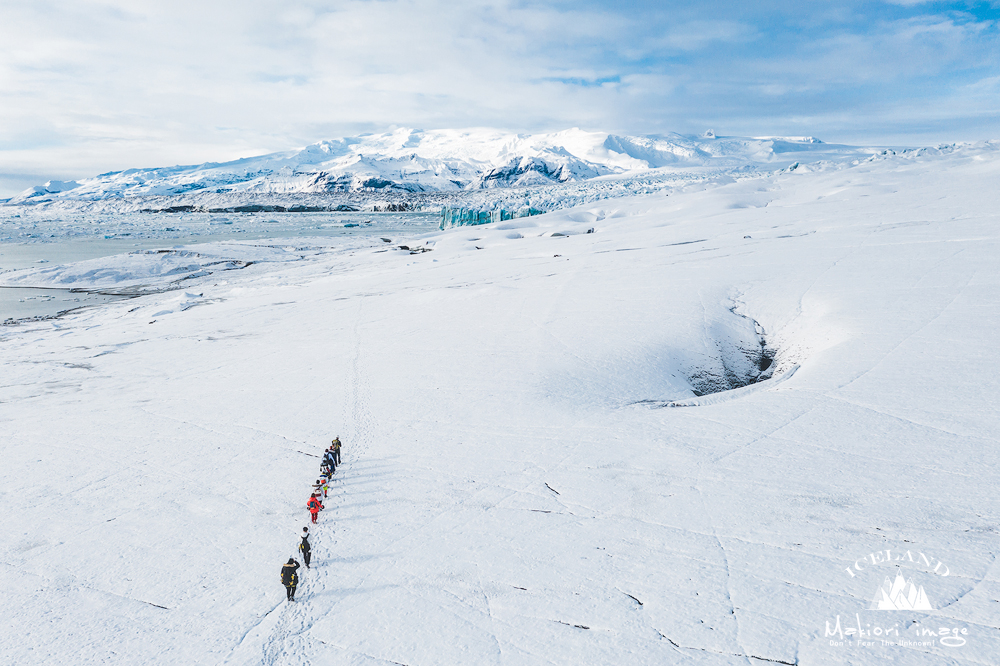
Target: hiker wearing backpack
x=290, y=577
x=314, y=506
x=304, y=546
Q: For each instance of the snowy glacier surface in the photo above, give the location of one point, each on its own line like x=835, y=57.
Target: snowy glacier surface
x=540, y=464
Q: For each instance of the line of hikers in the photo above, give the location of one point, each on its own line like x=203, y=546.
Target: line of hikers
x=327, y=468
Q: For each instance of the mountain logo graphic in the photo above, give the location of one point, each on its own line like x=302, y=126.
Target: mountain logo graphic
x=900, y=594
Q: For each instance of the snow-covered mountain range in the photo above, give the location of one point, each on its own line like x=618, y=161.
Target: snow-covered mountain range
x=421, y=169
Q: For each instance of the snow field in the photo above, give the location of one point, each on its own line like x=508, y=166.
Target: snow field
x=512, y=492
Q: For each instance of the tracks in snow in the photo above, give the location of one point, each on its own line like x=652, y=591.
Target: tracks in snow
x=280, y=638
x=358, y=418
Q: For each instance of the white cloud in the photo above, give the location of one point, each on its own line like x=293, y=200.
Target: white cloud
x=695, y=35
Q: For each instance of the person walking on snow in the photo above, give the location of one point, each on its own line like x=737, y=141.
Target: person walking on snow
x=330, y=459
x=336, y=449
x=304, y=546
x=290, y=577
x=314, y=506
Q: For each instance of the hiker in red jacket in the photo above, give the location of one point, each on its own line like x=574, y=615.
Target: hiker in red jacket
x=314, y=506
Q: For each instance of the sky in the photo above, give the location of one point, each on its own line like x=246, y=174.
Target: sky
x=89, y=86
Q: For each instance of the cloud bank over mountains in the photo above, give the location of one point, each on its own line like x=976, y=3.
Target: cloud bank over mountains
x=107, y=84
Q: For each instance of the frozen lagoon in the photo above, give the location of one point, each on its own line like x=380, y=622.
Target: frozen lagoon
x=31, y=240
x=18, y=303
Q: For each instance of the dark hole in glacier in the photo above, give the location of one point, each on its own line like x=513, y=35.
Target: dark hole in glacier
x=741, y=357
x=735, y=353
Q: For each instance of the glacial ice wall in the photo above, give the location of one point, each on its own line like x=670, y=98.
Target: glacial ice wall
x=469, y=217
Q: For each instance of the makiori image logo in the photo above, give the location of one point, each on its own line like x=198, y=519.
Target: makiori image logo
x=900, y=594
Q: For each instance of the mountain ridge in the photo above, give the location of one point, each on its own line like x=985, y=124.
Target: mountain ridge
x=404, y=164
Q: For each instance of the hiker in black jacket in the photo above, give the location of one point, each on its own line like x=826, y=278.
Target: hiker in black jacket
x=304, y=546
x=289, y=577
